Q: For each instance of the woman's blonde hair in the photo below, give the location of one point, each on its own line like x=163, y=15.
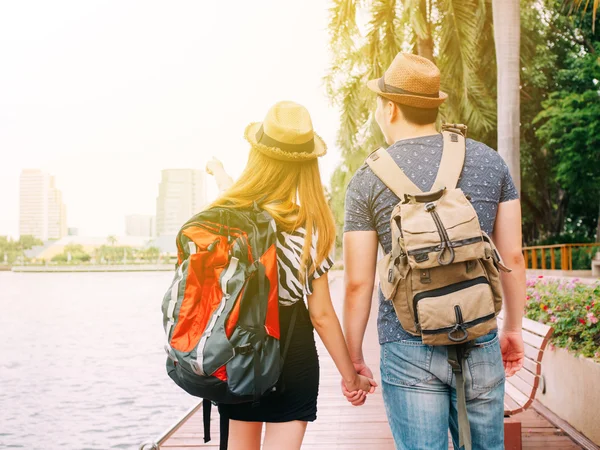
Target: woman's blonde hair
x=293, y=194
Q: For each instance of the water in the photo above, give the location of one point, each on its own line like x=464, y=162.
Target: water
x=82, y=361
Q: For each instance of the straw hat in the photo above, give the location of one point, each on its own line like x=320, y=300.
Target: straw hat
x=411, y=80
x=286, y=134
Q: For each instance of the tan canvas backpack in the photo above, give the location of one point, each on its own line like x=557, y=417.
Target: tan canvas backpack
x=442, y=274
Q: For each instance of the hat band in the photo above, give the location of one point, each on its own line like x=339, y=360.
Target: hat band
x=263, y=138
x=395, y=90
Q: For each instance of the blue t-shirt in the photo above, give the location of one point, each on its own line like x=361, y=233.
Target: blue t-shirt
x=369, y=203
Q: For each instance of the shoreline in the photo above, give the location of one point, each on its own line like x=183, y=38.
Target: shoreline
x=95, y=268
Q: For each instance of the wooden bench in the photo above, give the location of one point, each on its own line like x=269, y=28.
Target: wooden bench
x=522, y=387
x=596, y=266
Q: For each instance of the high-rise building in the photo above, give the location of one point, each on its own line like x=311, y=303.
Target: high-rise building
x=42, y=212
x=140, y=225
x=181, y=194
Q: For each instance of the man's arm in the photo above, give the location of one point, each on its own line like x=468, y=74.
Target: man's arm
x=507, y=237
x=360, y=261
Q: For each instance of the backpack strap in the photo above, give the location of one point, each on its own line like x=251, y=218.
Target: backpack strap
x=456, y=357
x=386, y=169
x=453, y=157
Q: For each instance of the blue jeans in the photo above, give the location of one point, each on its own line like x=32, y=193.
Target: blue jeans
x=419, y=391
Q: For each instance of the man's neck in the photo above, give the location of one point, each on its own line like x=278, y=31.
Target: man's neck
x=410, y=131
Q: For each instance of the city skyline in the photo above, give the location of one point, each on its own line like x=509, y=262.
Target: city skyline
x=42, y=213
x=181, y=193
x=106, y=112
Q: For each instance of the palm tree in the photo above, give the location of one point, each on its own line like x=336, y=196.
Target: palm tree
x=575, y=5
x=507, y=33
x=460, y=31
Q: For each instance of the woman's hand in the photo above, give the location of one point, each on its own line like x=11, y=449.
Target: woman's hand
x=357, y=389
x=214, y=166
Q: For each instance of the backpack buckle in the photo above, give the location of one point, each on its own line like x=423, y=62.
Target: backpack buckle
x=243, y=349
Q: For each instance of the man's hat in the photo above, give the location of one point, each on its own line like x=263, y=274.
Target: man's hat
x=411, y=80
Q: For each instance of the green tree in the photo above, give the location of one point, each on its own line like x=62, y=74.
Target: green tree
x=557, y=55
x=27, y=242
x=456, y=34
x=577, y=5
x=569, y=129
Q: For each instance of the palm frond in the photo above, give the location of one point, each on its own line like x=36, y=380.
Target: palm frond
x=576, y=5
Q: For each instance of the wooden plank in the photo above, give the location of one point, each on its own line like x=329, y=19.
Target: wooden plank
x=543, y=258
x=520, y=398
x=343, y=427
x=577, y=437
x=524, y=388
x=533, y=339
x=511, y=407
x=529, y=378
x=535, y=327
x=512, y=435
x=532, y=352
x=532, y=366
x=553, y=258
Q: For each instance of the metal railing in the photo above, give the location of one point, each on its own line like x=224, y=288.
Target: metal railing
x=560, y=255
x=155, y=445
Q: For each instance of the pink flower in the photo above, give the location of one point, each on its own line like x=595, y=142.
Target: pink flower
x=551, y=347
x=597, y=355
x=528, y=297
x=553, y=319
x=540, y=276
x=592, y=318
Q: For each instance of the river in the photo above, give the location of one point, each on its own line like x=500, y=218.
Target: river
x=82, y=361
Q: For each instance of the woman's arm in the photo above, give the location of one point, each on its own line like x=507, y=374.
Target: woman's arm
x=325, y=321
x=215, y=167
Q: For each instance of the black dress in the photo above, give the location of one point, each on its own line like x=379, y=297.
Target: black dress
x=299, y=383
x=296, y=398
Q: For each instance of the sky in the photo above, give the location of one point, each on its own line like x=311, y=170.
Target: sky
x=105, y=94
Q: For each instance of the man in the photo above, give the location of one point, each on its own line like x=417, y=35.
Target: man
x=418, y=384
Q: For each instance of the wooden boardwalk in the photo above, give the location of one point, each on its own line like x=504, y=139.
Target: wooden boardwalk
x=344, y=427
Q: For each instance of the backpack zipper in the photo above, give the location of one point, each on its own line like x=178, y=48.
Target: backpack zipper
x=464, y=325
x=444, y=291
x=437, y=248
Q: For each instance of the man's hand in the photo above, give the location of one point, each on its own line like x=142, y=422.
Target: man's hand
x=358, y=398
x=213, y=166
x=511, y=345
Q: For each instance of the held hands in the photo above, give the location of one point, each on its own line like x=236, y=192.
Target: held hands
x=356, y=391
x=511, y=346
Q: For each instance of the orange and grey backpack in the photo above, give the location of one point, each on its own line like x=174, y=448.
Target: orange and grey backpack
x=221, y=312
x=442, y=274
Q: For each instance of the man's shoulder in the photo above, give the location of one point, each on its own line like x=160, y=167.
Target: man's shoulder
x=363, y=173
x=477, y=149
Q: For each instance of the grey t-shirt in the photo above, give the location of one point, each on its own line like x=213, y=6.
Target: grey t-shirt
x=369, y=203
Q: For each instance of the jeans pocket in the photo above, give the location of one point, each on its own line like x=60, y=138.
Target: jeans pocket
x=406, y=363
x=485, y=363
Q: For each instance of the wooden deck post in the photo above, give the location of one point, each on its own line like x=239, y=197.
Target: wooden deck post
x=512, y=435
x=544, y=258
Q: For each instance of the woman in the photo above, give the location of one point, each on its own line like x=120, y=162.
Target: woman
x=282, y=177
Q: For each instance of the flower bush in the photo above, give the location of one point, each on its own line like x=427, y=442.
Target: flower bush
x=570, y=307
